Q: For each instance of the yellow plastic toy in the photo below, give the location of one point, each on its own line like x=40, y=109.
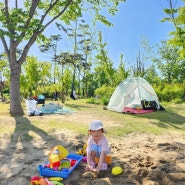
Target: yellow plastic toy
x=117, y=170
x=82, y=151
x=55, y=178
x=56, y=155
x=60, y=150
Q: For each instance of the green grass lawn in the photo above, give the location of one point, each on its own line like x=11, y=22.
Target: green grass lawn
x=159, y=122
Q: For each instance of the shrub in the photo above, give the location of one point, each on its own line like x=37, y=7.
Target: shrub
x=170, y=92
x=177, y=100
x=105, y=100
x=104, y=91
x=93, y=100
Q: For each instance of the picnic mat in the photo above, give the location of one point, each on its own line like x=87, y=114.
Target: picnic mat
x=57, y=111
x=136, y=111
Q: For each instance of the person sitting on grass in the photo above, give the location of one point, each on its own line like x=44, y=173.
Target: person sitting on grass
x=97, y=147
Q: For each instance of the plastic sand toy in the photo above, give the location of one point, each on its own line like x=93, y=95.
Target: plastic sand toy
x=67, y=166
x=117, y=170
x=56, y=155
x=35, y=180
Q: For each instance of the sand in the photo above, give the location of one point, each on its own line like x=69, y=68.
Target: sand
x=145, y=159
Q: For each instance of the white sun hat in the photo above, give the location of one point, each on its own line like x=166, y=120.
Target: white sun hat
x=96, y=125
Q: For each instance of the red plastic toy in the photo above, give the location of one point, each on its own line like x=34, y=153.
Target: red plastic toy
x=35, y=180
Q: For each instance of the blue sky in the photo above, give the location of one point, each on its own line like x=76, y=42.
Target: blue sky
x=135, y=18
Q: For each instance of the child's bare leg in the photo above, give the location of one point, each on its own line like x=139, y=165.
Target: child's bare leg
x=92, y=163
x=93, y=156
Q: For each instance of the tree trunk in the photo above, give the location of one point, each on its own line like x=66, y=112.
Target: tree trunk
x=15, y=98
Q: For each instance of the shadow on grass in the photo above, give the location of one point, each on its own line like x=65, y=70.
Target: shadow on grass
x=24, y=152
x=165, y=119
x=171, y=117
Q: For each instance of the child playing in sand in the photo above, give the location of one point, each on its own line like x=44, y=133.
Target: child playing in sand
x=97, y=147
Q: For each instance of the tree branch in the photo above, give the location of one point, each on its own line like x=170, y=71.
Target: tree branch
x=38, y=32
x=7, y=15
x=54, y=18
x=5, y=47
x=31, y=13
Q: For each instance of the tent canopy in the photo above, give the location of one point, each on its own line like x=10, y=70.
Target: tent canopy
x=129, y=94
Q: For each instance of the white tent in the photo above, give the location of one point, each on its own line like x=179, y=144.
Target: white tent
x=130, y=93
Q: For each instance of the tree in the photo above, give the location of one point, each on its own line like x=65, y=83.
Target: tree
x=3, y=65
x=74, y=33
x=104, y=71
x=143, y=58
x=151, y=76
x=167, y=61
x=51, y=47
x=34, y=75
x=121, y=72
x=24, y=24
x=81, y=44
x=177, y=17
x=86, y=47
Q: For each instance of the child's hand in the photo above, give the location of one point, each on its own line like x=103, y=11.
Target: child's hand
x=89, y=168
